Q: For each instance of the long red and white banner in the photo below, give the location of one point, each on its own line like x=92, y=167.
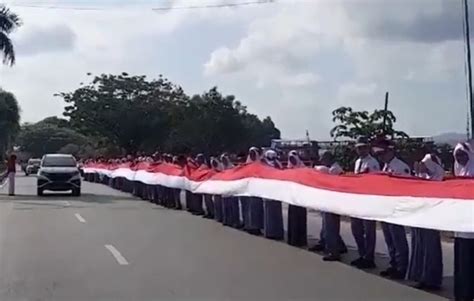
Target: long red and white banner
x=446, y=205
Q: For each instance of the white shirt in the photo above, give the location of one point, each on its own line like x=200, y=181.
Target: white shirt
x=366, y=164
x=335, y=169
x=397, y=167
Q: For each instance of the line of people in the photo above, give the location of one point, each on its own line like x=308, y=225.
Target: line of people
x=257, y=216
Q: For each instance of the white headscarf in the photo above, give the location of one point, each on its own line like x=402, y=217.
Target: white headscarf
x=219, y=167
x=229, y=164
x=253, y=149
x=270, y=158
x=436, y=171
x=299, y=162
x=468, y=169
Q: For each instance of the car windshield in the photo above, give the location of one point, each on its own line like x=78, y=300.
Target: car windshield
x=59, y=161
x=34, y=161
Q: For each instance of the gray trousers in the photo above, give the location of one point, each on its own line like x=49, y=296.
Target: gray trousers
x=397, y=245
x=330, y=234
x=364, y=233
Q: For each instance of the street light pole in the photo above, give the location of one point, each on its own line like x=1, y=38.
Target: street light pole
x=469, y=68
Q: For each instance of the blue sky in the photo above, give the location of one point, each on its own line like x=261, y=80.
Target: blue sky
x=293, y=60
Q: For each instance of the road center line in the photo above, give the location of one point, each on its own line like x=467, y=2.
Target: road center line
x=120, y=259
x=80, y=218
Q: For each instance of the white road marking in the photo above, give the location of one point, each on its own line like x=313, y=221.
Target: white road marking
x=120, y=259
x=80, y=218
x=66, y=203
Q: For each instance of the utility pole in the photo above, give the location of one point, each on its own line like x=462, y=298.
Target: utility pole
x=385, y=110
x=469, y=67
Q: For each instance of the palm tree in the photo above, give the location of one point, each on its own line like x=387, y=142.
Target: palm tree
x=9, y=21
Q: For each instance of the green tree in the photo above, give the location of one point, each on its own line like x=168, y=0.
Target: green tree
x=353, y=124
x=134, y=114
x=9, y=120
x=9, y=21
x=124, y=110
x=42, y=138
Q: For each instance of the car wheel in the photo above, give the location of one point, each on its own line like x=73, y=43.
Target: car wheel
x=76, y=192
x=39, y=192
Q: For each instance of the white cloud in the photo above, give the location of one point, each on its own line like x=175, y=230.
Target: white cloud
x=289, y=59
x=352, y=90
x=37, y=39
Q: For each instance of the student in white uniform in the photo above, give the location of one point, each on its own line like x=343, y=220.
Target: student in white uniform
x=330, y=239
x=395, y=235
x=464, y=242
x=426, y=261
x=297, y=234
x=364, y=231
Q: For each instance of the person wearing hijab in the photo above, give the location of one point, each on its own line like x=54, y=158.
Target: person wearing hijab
x=218, y=210
x=181, y=162
x=253, y=213
x=230, y=204
x=196, y=198
x=426, y=262
x=395, y=235
x=463, y=242
x=297, y=219
x=330, y=238
x=364, y=231
x=273, y=215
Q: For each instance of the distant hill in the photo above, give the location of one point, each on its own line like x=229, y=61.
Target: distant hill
x=449, y=138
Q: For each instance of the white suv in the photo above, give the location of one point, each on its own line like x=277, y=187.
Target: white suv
x=59, y=172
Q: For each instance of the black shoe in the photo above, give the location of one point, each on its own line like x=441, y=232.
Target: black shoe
x=397, y=275
x=256, y=232
x=208, y=216
x=419, y=285
x=366, y=265
x=357, y=261
x=332, y=257
x=388, y=272
x=343, y=251
x=317, y=248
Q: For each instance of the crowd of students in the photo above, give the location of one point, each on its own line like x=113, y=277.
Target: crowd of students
x=423, y=265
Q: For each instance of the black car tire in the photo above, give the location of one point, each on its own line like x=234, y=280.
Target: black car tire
x=39, y=192
x=76, y=192
x=26, y=174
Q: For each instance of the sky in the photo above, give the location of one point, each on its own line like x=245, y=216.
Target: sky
x=293, y=60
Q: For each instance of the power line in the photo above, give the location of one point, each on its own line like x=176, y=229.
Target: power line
x=163, y=8
x=214, y=5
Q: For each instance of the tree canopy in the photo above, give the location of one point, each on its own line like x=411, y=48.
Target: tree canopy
x=137, y=114
x=9, y=120
x=9, y=21
x=353, y=124
x=47, y=136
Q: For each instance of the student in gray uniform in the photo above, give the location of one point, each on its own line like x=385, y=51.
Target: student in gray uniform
x=364, y=231
x=297, y=217
x=273, y=214
x=395, y=235
x=331, y=241
x=426, y=262
x=217, y=200
x=197, y=198
x=464, y=241
x=253, y=213
x=230, y=204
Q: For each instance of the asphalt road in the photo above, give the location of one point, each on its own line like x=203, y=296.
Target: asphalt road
x=108, y=246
